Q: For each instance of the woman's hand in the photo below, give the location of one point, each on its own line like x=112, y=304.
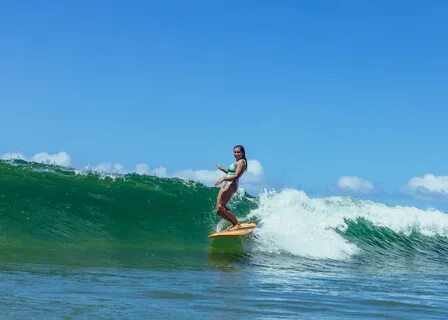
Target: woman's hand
x=221, y=168
x=217, y=183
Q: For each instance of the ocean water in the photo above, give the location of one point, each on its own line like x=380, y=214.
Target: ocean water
x=79, y=245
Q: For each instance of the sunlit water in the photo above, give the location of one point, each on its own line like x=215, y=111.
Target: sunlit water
x=218, y=285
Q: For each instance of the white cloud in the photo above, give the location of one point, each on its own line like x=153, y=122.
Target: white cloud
x=355, y=184
x=13, y=156
x=207, y=177
x=254, y=167
x=60, y=159
x=106, y=168
x=427, y=185
x=159, y=172
x=118, y=168
x=254, y=179
x=142, y=168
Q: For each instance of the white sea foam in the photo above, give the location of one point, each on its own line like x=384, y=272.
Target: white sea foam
x=294, y=223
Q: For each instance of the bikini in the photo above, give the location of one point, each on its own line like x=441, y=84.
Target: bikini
x=231, y=172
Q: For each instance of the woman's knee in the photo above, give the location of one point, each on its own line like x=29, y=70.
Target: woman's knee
x=220, y=208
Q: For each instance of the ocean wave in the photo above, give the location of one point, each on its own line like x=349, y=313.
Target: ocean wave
x=43, y=205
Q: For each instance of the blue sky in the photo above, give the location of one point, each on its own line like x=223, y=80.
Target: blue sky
x=317, y=91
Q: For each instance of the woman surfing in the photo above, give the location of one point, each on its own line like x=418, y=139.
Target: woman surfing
x=230, y=186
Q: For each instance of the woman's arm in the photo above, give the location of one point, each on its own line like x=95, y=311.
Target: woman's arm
x=217, y=183
x=239, y=171
x=222, y=169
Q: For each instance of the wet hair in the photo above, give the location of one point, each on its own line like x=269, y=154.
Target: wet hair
x=239, y=146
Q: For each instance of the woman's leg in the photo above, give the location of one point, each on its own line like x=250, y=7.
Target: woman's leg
x=224, y=196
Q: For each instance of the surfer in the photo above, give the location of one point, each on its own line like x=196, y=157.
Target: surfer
x=233, y=174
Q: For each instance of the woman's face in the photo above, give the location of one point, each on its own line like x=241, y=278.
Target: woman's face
x=237, y=153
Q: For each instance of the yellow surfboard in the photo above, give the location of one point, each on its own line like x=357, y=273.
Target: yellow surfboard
x=245, y=229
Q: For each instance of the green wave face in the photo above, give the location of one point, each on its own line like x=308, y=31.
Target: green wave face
x=385, y=244
x=42, y=205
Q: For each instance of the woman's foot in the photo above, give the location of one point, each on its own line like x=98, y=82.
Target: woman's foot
x=234, y=227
